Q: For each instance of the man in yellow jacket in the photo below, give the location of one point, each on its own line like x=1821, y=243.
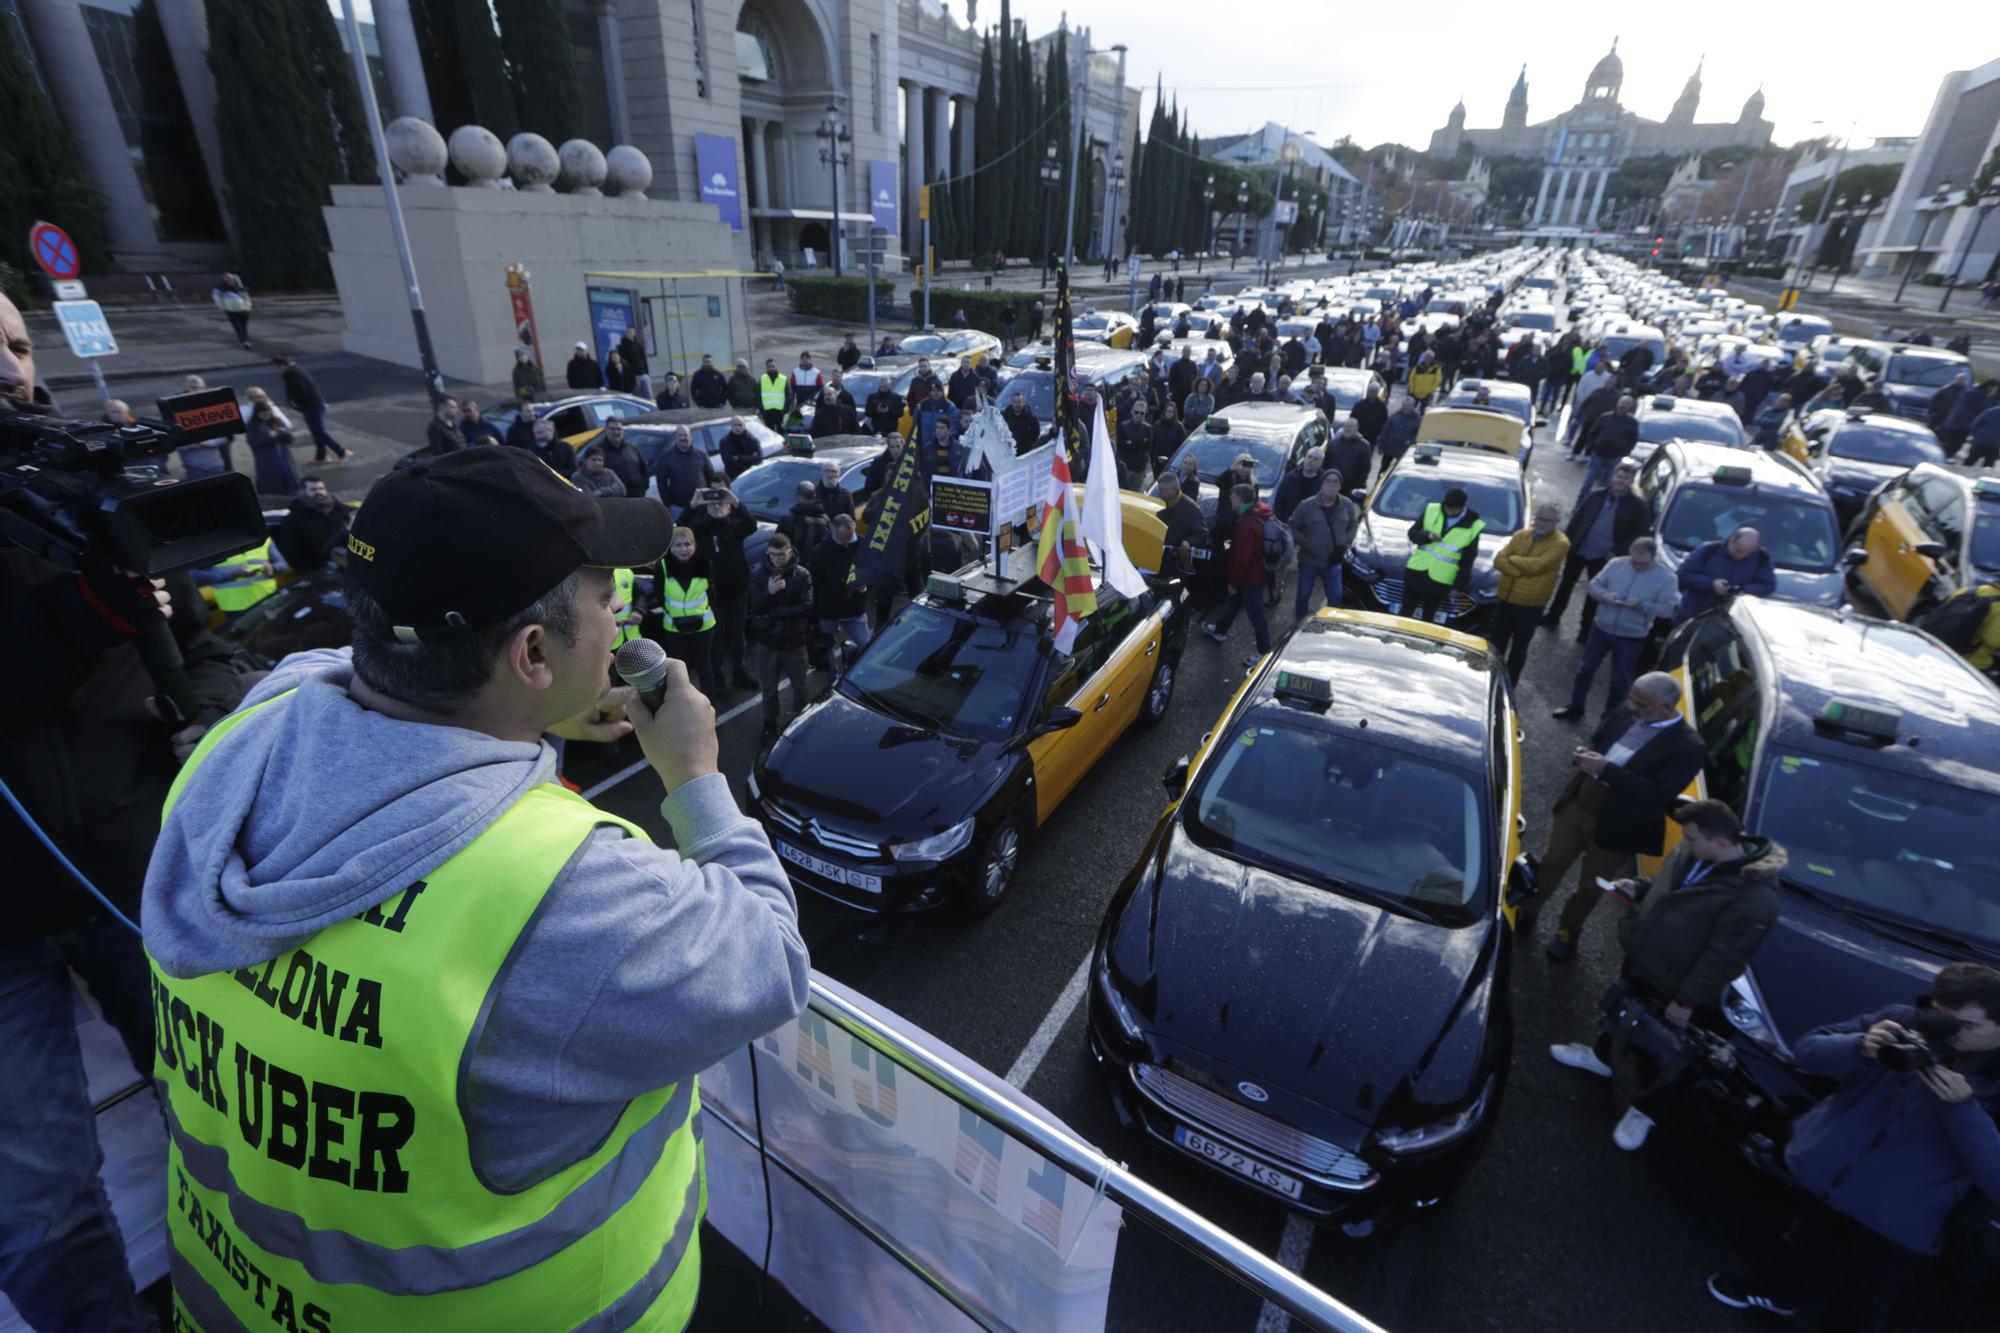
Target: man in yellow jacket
x=1425, y=377
x=1529, y=565
x=428, y=1023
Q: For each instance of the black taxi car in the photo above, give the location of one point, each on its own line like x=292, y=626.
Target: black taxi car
x=1926, y=534
x=1855, y=451
x=1499, y=492
x=1663, y=417
x=956, y=733
x=1304, y=982
x=1871, y=753
x=1700, y=492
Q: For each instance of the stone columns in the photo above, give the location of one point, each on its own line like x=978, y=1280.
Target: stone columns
x=1562, y=189
x=760, y=185
x=185, y=26
x=83, y=100
x=610, y=54
x=402, y=65
x=914, y=173
x=1597, y=199
x=962, y=150
x=1541, y=198
x=940, y=114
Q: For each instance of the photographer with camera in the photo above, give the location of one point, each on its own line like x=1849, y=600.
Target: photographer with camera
x=83, y=749
x=1691, y=931
x=1886, y=1160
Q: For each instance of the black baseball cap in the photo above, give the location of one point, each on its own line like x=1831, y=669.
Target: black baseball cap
x=462, y=541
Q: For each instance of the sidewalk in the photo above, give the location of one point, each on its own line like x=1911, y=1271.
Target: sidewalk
x=191, y=338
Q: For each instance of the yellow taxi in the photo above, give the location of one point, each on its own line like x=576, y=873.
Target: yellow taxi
x=1492, y=428
x=1926, y=534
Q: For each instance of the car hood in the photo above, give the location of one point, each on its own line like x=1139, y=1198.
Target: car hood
x=1328, y=1000
x=1852, y=474
x=884, y=779
x=1813, y=587
x=1820, y=965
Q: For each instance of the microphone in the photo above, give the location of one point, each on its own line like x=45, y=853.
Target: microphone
x=642, y=664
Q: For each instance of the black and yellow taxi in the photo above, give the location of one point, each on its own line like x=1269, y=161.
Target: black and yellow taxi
x=1855, y=451
x=1925, y=534
x=1870, y=752
x=1304, y=982
x=1499, y=493
x=958, y=731
x=1700, y=492
x=1663, y=417
x=578, y=417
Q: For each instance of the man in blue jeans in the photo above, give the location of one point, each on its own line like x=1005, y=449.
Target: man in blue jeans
x=1631, y=593
x=1612, y=436
x=302, y=393
x=1244, y=570
x=1324, y=525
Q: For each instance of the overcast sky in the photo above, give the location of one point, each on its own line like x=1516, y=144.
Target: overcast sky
x=1381, y=72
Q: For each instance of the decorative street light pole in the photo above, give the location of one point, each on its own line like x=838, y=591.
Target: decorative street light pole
x=1207, y=221
x=1242, y=209
x=1938, y=201
x=833, y=136
x=1989, y=200
x=1117, y=178
x=1051, y=173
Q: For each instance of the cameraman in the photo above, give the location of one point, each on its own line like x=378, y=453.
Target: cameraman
x=82, y=750
x=1692, y=931
x=1902, y=1142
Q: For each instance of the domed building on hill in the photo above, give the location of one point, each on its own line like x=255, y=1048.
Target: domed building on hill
x=1581, y=147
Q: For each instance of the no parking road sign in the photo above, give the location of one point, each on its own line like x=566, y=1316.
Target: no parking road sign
x=54, y=251
x=84, y=327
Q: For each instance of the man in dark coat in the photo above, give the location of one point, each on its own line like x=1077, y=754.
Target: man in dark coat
x=1022, y=423
x=584, y=372
x=314, y=529
x=719, y=529
x=1400, y=432
x=1602, y=526
x=1690, y=930
x=1350, y=456
x=743, y=392
x=738, y=449
x=1182, y=374
x=707, y=386
x=885, y=408
x=1615, y=805
x=621, y=457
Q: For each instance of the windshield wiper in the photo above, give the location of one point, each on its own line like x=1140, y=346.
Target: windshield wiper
x=881, y=704
x=1891, y=920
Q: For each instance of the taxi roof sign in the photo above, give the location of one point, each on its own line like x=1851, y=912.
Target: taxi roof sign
x=1862, y=722
x=1304, y=687
x=1986, y=488
x=1665, y=402
x=1732, y=475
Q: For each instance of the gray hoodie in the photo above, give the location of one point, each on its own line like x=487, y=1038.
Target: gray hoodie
x=1655, y=589
x=647, y=966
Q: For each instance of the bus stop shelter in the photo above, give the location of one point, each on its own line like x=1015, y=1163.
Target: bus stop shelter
x=681, y=317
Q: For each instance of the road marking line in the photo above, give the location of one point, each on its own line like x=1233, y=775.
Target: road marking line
x=1293, y=1247
x=638, y=766
x=1037, y=1049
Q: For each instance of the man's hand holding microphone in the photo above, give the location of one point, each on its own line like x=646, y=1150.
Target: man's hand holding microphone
x=675, y=722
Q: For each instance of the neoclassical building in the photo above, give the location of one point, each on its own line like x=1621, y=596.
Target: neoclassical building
x=1581, y=147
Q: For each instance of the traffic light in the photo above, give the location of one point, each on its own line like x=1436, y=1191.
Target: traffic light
x=1658, y=241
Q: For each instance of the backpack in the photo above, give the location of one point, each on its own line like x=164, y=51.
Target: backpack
x=1277, y=544
x=808, y=532
x=1955, y=622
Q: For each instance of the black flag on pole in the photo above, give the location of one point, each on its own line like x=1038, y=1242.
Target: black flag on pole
x=898, y=516
x=1069, y=412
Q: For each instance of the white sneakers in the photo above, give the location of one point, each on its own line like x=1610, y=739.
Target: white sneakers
x=1632, y=1130
x=1579, y=1056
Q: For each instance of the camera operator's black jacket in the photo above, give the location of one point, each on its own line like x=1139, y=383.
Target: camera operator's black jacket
x=1883, y=1149
x=79, y=748
x=1690, y=943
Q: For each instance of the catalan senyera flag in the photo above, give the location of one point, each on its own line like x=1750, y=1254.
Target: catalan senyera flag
x=1062, y=560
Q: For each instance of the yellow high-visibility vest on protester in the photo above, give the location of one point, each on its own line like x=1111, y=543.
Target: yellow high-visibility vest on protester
x=321, y=1173
x=254, y=578
x=628, y=630
x=1441, y=558
x=771, y=391
x=682, y=603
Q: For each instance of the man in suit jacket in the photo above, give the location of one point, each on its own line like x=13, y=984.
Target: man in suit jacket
x=1615, y=807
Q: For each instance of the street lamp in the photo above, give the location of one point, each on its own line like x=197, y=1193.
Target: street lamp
x=1989, y=199
x=1937, y=202
x=1242, y=208
x=1117, y=185
x=833, y=137
x=1051, y=172
x=1207, y=221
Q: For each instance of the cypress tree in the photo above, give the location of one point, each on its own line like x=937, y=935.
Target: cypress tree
x=332, y=71
x=464, y=66
x=984, y=191
x=279, y=151
x=1023, y=199
x=45, y=177
x=1131, y=193
x=541, y=66
x=1008, y=134
x=1055, y=106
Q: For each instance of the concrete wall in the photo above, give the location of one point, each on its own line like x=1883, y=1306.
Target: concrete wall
x=464, y=239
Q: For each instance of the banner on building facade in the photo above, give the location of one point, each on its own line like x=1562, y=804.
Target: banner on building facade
x=715, y=164
x=882, y=193
x=523, y=303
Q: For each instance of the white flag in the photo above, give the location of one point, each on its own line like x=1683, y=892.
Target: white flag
x=1103, y=519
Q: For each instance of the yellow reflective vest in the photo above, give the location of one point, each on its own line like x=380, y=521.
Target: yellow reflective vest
x=1442, y=556
x=684, y=601
x=253, y=578
x=628, y=614
x=771, y=391
x=321, y=1175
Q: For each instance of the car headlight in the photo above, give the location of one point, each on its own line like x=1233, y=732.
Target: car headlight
x=936, y=847
x=1118, y=1006
x=1439, y=1132
x=1743, y=1006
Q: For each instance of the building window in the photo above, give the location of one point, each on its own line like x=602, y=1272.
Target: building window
x=700, y=49
x=875, y=76
x=753, y=58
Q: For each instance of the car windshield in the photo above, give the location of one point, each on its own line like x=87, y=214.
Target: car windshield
x=767, y=490
x=1532, y=319
x=1618, y=344
x=1038, y=387
x=1655, y=427
x=1885, y=842
x=861, y=383
x=1804, y=330
x=1986, y=539
x=1901, y=447
x=1213, y=455
x=1345, y=815
x=921, y=344
x=1926, y=372
x=929, y=668
x=1410, y=490
x=1797, y=534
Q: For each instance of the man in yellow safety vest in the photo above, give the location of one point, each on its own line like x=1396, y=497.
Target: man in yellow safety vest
x=774, y=389
x=1443, y=545
x=428, y=1023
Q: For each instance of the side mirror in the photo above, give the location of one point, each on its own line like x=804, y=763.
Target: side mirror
x=1854, y=557
x=1521, y=880
x=1060, y=718
x=1176, y=778
x=1933, y=550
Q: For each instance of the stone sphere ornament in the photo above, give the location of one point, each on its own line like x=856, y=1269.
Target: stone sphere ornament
x=582, y=166
x=627, y=172
x=479, y=156
x=532, y=162
x=417, y=149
